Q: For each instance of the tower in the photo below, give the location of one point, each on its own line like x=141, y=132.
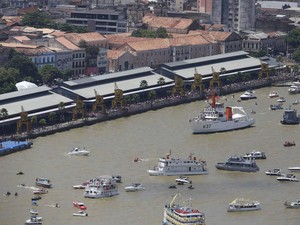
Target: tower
x=198, y=83
x=24, y=120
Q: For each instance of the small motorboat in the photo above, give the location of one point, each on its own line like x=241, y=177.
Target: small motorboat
x=79, y=152
x=184, y=180
x=43, y=182
x=40, y=191
x=294, y=169
x=36, y=197
x=33, y=212
x=79, y=205
x=80, y=213
x=273, y=94
x=134, y=187
x=118, y=178
x=288, y=177
x=249, y=94
x=289, y=143
x=295, y=102
x=281, y=99
x=255, y=155
x=274, y=172
x=241, y=205
x=191, y=187
x=293, y=205
x=20, y=173
x=79, y=186
x=37, y=220
x=276, y=106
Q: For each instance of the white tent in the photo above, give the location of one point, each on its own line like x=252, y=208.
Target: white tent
x=25, y=85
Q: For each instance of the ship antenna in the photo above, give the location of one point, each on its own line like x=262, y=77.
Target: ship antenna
x=213, y=97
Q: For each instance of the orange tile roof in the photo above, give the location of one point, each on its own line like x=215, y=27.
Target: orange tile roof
x=21, y=38
x=151, y=44
x=68, y=44
x=123, y=38
x=35, y=51
x=114, y=54
x=17, y=45
x=91, y=38
x=167, y=22
x=188, y=40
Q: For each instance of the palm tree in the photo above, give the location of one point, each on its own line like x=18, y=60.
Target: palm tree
x=143, y=84
x=61, y=107
x=52, y=117
x=42, y=122
x=34, y=120
x=152, y=95
x=3, y=115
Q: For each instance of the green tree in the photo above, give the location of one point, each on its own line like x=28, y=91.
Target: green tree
x=143, y=84
x=151, y=95
x=24, y=64
x=8, y=79
x=293, y=37
x=135, y=98
x=161, y=81
x=33, y=120
x=42, y=123
x=61, y=108
x=36, y=19
x=296, y=55
x=52, y=117
x=3, y=116
x=49, y=73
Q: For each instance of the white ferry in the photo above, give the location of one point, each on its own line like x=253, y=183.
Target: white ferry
x=215, y=118
x=168, y=166
x=99, y=187
x=241, y=204
x=174, y=214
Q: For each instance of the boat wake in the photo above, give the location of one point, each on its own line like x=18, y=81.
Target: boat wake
x=53, y=205
x=28, y=187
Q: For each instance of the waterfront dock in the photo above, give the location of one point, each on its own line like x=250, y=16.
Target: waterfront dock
x=8, y=147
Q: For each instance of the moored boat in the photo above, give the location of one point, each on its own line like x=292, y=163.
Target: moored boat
x=255, y=155
x=168, y=166
x=238, y=163
x=288, y=177
x=289, y=143
x=80, y=213
x=40, y=191
x=176, y=214
x=36, y=220
x=249, y=94
x=294, y=168
x=293, y=204
x=274, y=172
x=241, y=205
x=276, y=106
x=274, y=94
x=290, y=117
x=43, y=182
x=99, y=187
x=184, y=180
x=215, y=118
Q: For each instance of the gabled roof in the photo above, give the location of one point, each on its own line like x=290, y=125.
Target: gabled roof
x=123, y=38
x=91, y=38
x=21, y=38
x=188, y=40
x=167, y=22
x=151, y=44
x=68, y=44
x=115, y=54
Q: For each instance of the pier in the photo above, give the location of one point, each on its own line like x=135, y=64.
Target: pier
x=8, y=147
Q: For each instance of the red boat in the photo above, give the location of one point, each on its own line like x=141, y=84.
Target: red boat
x=79, y=205
x=289, y=143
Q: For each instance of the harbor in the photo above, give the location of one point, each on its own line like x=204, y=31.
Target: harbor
x=113, y=146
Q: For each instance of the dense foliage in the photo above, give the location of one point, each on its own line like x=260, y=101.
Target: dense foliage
x=293, y=38
x=42, y=20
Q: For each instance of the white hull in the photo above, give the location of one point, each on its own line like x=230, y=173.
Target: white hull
x=178, y=173
x=201, y=127
x=233, y=209
x=294, y=169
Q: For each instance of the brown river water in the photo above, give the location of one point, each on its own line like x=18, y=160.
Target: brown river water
x=114, y=145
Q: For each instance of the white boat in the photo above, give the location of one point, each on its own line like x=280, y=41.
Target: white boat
x=43, y=182
x=274, y=94
x=33, y=212
x=295, y=102
x=249, y=94
x=241, y=205
x=99, y=187
x=80, y=213
x=79, y=186
x=294, y=168
x=176, y=214
x=215, y=118
x=255, y=155
x=274, y=172
x=40, y=191
x=294, y=89
x=79, y=152
x=168, y=166
x=184, y=180
x=276, y=106
x=281, y=99
x=293, y=205
x=134, y=187
x=288, y=177
x=37, y=220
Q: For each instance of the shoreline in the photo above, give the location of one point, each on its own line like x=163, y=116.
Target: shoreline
x=148, y=106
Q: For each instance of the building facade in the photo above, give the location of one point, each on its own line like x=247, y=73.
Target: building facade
x=104, y=21
x=238, y=15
